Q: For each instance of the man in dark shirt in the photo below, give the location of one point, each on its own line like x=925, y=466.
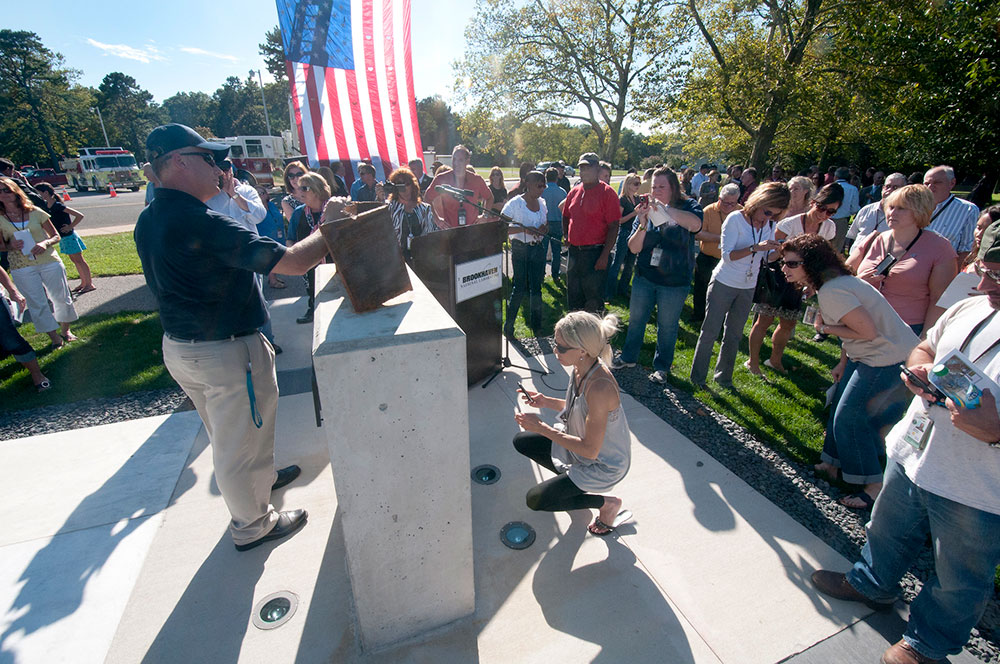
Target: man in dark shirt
x=563, y=181
x=423, y=180
x=200, y=266
x=590, y=218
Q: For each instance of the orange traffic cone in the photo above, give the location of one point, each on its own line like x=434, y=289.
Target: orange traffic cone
x=65, y=194
x=111, y=190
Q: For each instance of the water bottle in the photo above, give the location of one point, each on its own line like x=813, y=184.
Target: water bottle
x=461, y=215
x=957, y=386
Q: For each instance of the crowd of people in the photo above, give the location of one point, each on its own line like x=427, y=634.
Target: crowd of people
x=781, y=250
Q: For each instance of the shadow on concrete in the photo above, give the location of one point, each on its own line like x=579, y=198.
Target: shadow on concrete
x=201, y=628
x=56, y=578
x=623, y=612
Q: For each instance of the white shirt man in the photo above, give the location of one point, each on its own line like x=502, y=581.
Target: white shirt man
x=953, y=217
x=238, y=200
x=700, y=178
x=871, y=217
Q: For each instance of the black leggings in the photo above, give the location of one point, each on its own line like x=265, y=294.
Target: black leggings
x=558, y=494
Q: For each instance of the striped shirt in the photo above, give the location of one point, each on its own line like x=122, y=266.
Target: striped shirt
x=955, y=219
x=869, y=218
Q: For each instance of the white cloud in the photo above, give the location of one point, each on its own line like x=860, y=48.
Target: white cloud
x=200, y=51
x=145, y=55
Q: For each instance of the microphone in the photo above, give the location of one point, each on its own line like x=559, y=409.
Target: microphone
x=448, y=189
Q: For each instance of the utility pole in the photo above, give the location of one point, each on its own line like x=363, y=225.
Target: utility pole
x=97, y=109
x=262, y=101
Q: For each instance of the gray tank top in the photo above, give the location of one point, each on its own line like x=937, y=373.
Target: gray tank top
x=615, y=457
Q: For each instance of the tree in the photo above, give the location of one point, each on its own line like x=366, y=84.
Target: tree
x=593, y=61
x=272, y=49
x=191, y=108
x=239, y=108
x=44, y=112
x=753, y=63
x=129, y=111
x=438, y=125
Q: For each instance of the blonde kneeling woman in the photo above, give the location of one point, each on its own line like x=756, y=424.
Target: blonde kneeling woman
x=590, y=448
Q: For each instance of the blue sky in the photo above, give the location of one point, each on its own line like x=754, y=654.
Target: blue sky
x=185, y=46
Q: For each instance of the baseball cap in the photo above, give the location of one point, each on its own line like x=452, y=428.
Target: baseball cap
x=589, y=159
x=989, y=247
x=170, y=137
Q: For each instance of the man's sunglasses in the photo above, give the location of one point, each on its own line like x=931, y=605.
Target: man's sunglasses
x=993, y=275
x=207, y=156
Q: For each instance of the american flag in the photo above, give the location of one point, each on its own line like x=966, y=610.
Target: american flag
x=351, y=80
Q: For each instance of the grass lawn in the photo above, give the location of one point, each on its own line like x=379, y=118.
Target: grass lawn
x=787, y=413
x=117, y=354
x=107, y=255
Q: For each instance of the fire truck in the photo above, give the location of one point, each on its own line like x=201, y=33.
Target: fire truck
x=98, y=168
x=257, y=155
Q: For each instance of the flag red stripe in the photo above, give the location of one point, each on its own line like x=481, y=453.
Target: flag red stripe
x=334, y=106
x=315, y=113
x=393, y=101
x=370, y=72
x=290, y=72
x=411, y=99
x=356, y=117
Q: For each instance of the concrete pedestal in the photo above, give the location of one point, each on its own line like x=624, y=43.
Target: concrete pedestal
x=392, y=384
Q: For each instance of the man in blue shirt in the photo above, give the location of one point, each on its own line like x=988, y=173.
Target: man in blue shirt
x=364, y=188
x=554, y=195
x=847, y=209
x=200, y=266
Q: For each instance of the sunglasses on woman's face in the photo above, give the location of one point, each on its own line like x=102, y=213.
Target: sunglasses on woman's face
x=563, y=349
x=292, y=176
x=792, y=264
x=822, y=209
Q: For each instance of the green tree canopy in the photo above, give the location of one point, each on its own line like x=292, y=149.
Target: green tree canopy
x=129, y=111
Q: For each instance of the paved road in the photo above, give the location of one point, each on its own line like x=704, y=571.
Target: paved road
x=103, y=214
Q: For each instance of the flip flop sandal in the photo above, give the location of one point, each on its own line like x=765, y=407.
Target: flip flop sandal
x=88, y=289
x=278, y=284
x=44, y=385
x=868, y=501
x=599, y=528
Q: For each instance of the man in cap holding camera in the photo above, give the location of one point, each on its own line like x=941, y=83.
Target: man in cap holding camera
x=200, y=266
x=940, y=482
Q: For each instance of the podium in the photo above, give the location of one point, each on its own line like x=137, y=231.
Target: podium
x=463, y=268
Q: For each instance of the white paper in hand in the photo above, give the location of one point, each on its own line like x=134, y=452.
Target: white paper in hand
x=658, y=216
x=962, y=286
x=29, y=242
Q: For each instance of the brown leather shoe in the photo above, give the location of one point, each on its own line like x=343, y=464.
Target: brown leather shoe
x=836, y=585
x=903, y=653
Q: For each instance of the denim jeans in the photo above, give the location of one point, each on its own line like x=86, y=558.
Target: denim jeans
x=669, y=301
x=868, y=400
x=966, y=553
x=622, y=258
x=554, y=241
x=529, y=271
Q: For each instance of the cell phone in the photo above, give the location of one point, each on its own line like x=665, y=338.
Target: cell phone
x=925, y=386
x=523, y=391
x=882, y=269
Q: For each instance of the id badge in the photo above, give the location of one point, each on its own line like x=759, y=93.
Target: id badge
x=919, y=431
x=656, y=257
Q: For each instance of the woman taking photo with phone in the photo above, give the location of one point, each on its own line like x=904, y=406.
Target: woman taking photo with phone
x=590, y=448
x=874, y=341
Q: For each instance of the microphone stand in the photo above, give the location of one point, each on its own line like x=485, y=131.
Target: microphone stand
x=459, y=195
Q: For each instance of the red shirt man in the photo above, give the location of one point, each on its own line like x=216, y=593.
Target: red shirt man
x=446, y=207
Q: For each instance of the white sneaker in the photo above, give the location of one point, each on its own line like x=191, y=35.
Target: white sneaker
x=658, y=377
x=618, y=363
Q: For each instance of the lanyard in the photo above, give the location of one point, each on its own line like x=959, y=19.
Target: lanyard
x=943, y=208
x=976, y=330
x=892, y=243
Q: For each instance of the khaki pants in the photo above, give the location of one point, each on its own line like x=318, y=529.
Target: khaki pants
x=214, y=375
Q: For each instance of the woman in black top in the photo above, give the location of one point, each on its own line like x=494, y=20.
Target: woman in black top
x=497, y=188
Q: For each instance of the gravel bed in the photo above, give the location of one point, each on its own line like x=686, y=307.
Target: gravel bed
x=789, y=485
x=92, y=412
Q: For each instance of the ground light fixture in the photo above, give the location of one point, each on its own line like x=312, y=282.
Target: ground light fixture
x=517, y=535
x=275, y=610
x=485, y=474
